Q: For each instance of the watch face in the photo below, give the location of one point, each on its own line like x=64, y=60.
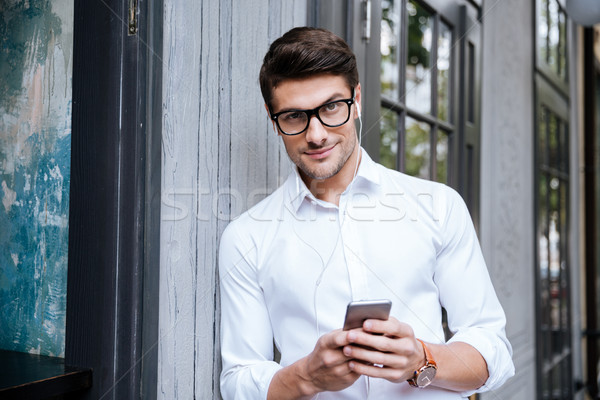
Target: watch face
x=426, y=376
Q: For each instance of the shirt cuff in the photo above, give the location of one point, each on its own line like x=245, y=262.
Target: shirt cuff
x=497, y=353
x=248, y=382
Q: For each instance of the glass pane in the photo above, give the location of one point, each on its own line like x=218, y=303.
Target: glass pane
x=564, y=147
x=470, y=89
x=543, y=30
x=418, y=68
x=553, y=35
x=544, y=262
x=564, y=283
x=554, y=253
x=553, y=140
x=390, y=36
x=388, y=143
x=545, y=386
x=418, y=148
x=556, y=382
x=542, y=136
x=566, y=378
x=543, y=235
x=443, y=71
x=441, y=157
x=562, y=47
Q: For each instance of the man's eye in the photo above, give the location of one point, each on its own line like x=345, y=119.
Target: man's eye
x=330, y=107
x=292, y=116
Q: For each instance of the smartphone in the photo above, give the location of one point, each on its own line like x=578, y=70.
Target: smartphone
x=359, y=311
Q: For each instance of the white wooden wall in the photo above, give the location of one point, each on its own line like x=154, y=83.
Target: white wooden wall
x=220, y=156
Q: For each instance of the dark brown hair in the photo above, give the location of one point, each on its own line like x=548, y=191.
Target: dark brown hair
x=304, y=52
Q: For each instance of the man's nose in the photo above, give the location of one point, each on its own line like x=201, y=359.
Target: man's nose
x=316, y=131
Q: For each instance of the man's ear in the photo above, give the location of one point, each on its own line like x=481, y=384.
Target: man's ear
x=273, y=122
x=357, y=101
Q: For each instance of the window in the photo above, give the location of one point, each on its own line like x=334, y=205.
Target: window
x=553, y=273
x=552, y=204
x=429, y=93
x=552, y=40
x=416, y=121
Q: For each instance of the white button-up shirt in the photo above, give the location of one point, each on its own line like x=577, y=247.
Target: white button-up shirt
x=290, y=265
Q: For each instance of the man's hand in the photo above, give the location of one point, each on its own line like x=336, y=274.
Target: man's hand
x=326, y=368
x=389, y=350
x=384, y=349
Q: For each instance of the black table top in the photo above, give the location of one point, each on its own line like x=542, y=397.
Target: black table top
x=24, y=375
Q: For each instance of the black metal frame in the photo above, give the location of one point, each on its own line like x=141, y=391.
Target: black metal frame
x=112, y=301
x=591, y=71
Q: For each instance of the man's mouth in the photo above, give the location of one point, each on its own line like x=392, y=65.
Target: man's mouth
x=320, y=153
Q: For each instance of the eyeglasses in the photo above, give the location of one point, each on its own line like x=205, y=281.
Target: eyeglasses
x=332, y=114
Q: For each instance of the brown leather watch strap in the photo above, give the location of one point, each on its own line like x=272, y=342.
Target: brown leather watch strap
x=428, y=357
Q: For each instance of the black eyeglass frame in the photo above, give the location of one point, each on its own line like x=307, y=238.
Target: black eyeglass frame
x=315, y=112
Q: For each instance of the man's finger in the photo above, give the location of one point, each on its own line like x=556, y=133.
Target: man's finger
x=391, y=327
x=335, y=339
x=375, y=371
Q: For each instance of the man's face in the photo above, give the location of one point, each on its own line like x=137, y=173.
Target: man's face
x=319, y=152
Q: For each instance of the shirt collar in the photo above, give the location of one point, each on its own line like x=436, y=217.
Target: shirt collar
x=298, y=192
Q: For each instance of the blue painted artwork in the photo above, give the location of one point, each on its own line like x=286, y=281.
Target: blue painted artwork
x=36, y=42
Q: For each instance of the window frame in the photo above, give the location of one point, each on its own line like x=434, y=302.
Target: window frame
x=114, y=216
x=552, y=94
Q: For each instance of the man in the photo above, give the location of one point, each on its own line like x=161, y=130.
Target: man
x=344, y=228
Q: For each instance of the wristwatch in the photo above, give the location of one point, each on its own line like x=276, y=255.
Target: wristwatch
x=424, y=375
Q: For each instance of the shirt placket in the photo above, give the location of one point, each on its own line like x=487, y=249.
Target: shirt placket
x=356, y=267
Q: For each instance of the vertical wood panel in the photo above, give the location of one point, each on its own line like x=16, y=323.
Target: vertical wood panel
x=249, y=130
x=224, y=173
x=179, y=255
x=278, y=19
x=208, y=191
x=220, y=156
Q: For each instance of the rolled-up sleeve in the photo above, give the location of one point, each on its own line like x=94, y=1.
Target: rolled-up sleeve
x=246, y=333
x=475, y=315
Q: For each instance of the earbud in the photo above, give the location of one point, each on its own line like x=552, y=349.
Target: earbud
x=360, y=127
